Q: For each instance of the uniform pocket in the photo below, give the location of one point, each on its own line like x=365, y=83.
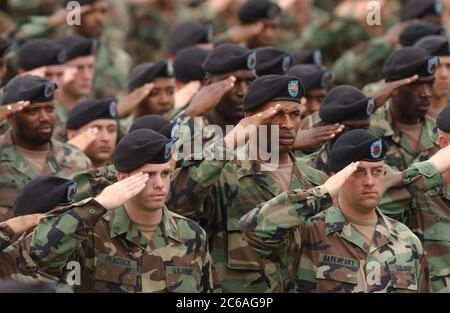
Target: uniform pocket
x=404, y=279
x=336, y=268
x=182, y=279
x=114, y=269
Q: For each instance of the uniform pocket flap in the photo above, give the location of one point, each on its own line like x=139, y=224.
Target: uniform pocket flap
x=116, y=270
x=333, y=267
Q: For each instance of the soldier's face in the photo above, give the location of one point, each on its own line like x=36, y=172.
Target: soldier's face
x=102, y=148
x=154, y=195
x=34, y=124
x=268, y=36
x=79, y=74
x=313, y=100
x=54, y=73
x=364, y=189
x=93, y=21
x=414, y=100
x=231, y=105
x=288, y=121
x=161, y=99
x=2, y=70
x=441, y=86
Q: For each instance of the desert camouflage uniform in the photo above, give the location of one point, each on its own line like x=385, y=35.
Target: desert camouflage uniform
x=217, y=193
x=116, y=257
x=15, y=172
x=400, y=154
x=325, y=253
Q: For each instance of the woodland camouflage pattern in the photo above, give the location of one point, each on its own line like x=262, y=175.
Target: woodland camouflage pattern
x=324, y=253
x=90, y=183
x=400, y=154
x=217, y=194
x=15, y=172
x=115, y=257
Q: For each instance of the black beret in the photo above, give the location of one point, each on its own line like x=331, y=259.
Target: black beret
x=43, y=193
x=307, y=57
x=154, y=122
x=78, y=46
x=254, y=10
x=356, y=145
x=5, y=44
x=271, y=88
x=81, y=2
x=40, y=52
x=416, y=9
x=414, y=32
x=188, y=34
x=346, y=103
x=90, y=110
x=435, y=45
x=229, y=57
x=271, y=61
x=187, y=65
x=311, y=76
x=140, y=147
x=443, y=120
x=29, y=88
x=406, y=62
x=146, y=72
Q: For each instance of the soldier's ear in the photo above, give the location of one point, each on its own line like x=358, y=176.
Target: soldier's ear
x=443, y=141
x=122, y=176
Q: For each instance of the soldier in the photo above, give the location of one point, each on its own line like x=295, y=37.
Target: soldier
x=272, y=61
x=97, y=118
x=160, y=99
x=37, y=197
x=27, y=150
x=91, y=182
x=217, y=191
x=311, y=135
x=189, y=34
x=188, y=74
x=229, y=71
x=153, y=249
x=428, y=215
x=79, y=77
x=265, y=12
x=402, y=123
x=438, y=46
x=42, y=57
x=351, y=246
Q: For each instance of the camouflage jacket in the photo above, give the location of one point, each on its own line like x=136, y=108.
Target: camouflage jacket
x=217, y=194
x=325, y=253
x=115, y=257
x=7, y=236
x=428, y=216
x=400, y=154
x=91, y=182
x=361, y=65
x=59, y=127
x=15, y=171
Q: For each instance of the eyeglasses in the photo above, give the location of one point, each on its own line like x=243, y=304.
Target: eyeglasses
x=377, y=172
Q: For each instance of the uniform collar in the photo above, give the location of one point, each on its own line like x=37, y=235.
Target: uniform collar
x=385, y=231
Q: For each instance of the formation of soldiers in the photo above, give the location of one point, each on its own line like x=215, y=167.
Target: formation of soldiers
x=121, y=137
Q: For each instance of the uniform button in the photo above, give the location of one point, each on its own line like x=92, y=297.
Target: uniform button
x=349, y=275
x=103, y=273
x=92, y=211
x=7, y=238
x=431, y=231
x=129, y=277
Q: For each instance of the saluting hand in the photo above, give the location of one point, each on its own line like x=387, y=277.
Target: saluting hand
x=21, y=224
x=132, y=100
x=118, y=193
x=335, y=182
x=209, y=96
x=390, y=89
x=315, y=137
x=8, y=109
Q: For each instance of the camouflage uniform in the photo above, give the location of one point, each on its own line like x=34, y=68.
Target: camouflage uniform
x=400, y=153
x=115, y=257
x=217, y=193
x=7, y=236
x=428, y=216
x=325, y=253
x=361, y=65
x=91, y=182
x=59, y=127
x=333, y=37
x=15, y=172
